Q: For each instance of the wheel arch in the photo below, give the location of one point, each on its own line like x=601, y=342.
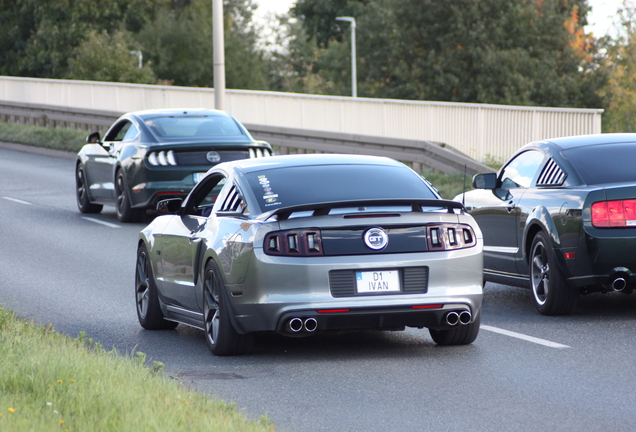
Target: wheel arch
x=226, y=297
x=539, y=219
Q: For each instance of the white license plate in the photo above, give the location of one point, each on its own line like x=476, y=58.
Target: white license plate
x=198, y=176
x=378, y=281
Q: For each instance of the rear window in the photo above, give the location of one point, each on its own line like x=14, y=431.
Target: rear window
x=607, y=163
x=194, y=127
x=287, y=187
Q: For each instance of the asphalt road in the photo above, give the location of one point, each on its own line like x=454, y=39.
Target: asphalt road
x=525, y=372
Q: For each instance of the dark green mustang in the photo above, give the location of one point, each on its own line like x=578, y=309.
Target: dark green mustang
x=560, y=218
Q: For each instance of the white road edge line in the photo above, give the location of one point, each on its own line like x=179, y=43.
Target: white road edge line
x=108, y=224
x=524, y=337
x=16, y=200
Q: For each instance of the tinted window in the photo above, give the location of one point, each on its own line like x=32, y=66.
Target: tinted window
x=607, y=163
x=285, y=187
x=521, y=170
x=131, y=133
x=188, y=127
x=204, y=196
x=118, y=132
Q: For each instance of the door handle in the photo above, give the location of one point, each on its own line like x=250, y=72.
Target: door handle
x=511, y=206
x=194, y=239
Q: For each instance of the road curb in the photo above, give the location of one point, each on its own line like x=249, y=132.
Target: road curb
x=38, y=150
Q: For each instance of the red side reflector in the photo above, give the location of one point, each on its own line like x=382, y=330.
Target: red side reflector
x=570, y=255
x=433, y=306
x=332, y=310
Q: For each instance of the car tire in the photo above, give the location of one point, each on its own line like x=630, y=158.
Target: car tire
x=458, y=335
x=81, y=192
x=146, y=295
x=551, y=294
x=220, y=335
x=125, y=212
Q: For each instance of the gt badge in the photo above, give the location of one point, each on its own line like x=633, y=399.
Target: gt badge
x=376, y=238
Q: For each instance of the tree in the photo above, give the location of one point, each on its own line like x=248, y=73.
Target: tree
x=109, y=57
x=620, y=64
x=488, y=51
x=179, y=43
x=38, y=36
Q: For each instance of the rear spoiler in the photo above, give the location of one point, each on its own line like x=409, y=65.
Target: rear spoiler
x=323, y=209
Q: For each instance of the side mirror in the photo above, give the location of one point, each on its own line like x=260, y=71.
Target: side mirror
x=169, y=206
x=93, y=138
x=485, y=181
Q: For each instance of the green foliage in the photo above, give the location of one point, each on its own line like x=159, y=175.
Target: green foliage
x=52, y=382
x=58, y=139
x=448, y=185
x=319, y=17
x=37, y=37
x=109, y=57
x=179, y=44
x=620, y=64
x=488, y=51
x=493, y=162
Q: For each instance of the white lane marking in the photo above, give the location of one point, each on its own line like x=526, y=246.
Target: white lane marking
x=108, y=224
x=524, y=337
x=16, y=200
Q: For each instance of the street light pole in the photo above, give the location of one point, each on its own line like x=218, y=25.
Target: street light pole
x=354, y=80
x=219, y=54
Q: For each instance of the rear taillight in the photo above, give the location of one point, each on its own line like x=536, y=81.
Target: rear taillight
x=614, y=214
x=293, y=243
x=450, y=236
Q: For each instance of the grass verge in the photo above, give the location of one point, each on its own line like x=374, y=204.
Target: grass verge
x=51, y=382
x=58, y=139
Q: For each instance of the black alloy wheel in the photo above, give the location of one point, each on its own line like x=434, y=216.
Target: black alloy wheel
x=220, y=335
x=81, y=192
x=146, y=295
x=125, y=212
x=459, y=334
x=551, y=294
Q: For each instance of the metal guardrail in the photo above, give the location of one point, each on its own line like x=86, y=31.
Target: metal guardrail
x=55, y=116
x=419, y=154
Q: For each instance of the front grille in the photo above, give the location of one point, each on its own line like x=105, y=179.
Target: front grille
x=342, y=283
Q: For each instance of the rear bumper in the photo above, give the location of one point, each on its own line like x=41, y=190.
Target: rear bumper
x=604, y=258
x=278, y=289
x=147, y=195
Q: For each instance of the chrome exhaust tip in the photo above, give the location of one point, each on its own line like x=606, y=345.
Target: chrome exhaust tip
x=452, y=318
x=619, y=284
x=295, y=325
x=465, y=317
x=310, y=325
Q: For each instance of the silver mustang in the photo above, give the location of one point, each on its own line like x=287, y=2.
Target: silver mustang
x=308, y=243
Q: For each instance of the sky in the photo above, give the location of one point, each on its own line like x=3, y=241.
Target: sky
x=601, y=18
x=604, y=13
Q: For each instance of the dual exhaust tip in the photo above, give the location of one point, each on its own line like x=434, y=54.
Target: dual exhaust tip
x=308, y=325
x=454, y=318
